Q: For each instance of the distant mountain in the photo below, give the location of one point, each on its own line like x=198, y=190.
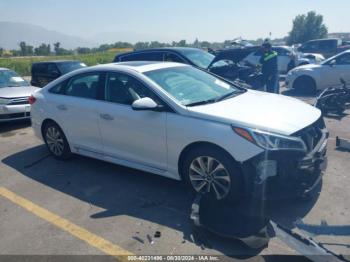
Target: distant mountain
x=12, y=33
x=127, y=36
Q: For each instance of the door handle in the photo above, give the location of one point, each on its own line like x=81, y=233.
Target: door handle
x=106, y=117
x=62, y=107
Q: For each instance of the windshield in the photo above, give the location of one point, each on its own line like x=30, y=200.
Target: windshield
x=191, y=86
x=9, y=78
x=70, y=66
x=199, y=57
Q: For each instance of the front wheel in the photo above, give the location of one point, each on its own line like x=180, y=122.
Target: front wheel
x=56, y=141
x=212, y=170
x=305, y=84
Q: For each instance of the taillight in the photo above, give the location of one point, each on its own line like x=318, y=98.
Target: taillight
x=31, y=100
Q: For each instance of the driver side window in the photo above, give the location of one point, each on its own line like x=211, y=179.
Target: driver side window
x=52, y=70
x=343, y=59
x=170, y=57
x=124, y=89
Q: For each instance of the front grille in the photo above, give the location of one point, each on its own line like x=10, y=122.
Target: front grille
x=18, y=101
x=312, y=134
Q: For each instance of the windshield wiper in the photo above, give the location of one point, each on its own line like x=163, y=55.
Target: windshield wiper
x=229, y=95
x=218, y=99
x=209, y=101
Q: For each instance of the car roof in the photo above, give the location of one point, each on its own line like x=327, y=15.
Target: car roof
x=57, y=61
x=176, y=49
x=4, y=68
x=323, y=39
x=138, y=66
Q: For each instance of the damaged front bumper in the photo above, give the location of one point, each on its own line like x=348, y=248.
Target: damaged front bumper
x=285, y=174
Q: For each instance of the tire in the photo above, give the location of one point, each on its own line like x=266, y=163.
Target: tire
x=56, y=141
x=229, y=176
x=305, y=84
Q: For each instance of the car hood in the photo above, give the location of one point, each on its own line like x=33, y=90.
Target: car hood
x=20, y=91
x=235, y=55
x=307, y=67
x=269, y=112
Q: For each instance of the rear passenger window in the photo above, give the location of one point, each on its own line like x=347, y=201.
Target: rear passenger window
x=327, y=45
x=85, y=86
x=58, y=89
x=40, y=68
x=147, y=56
x=153, y=56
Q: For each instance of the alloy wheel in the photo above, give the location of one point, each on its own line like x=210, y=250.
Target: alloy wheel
x=208, y=175
x=55, y=140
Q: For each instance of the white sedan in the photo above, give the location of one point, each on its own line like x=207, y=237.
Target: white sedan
x=183, y=123
x=286, y=58
x=321, y=76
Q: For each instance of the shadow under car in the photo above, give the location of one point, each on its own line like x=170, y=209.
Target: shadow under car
x=124, y=191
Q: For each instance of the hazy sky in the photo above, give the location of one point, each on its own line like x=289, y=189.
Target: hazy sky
x=213, y=20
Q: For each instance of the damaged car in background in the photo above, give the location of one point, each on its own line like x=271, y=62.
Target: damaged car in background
x=234, y=64
x=226, y=63
x=183, y=123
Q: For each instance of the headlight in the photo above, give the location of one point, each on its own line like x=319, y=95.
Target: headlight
x=4, y=101
x=270, y=141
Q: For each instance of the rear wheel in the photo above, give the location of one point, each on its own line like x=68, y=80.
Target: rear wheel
x=56, y=141
x=213, y=171
x=305, y=84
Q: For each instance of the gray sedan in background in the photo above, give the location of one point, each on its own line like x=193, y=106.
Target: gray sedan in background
x=14, y=94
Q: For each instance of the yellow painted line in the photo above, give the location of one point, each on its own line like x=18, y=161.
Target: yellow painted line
x=62, y=223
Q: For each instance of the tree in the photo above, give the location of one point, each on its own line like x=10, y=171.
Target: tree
x=1, y=51
x=141, y=45
x=43, y=50
x=122, y=45
x=29, y=50
x=156, y=44
x=196, y=43
x=23, y=47
x=307, y=27
x=83, y=50
x=205, y=44
x=57, y=47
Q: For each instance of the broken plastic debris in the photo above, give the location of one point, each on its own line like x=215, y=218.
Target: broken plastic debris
x=157, y=234
x=150, y=239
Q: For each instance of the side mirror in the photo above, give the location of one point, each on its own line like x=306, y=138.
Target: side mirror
x=146, y=103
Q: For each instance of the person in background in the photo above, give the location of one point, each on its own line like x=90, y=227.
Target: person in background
x=269, y=68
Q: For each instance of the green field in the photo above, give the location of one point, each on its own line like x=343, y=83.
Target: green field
x=22, y=65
